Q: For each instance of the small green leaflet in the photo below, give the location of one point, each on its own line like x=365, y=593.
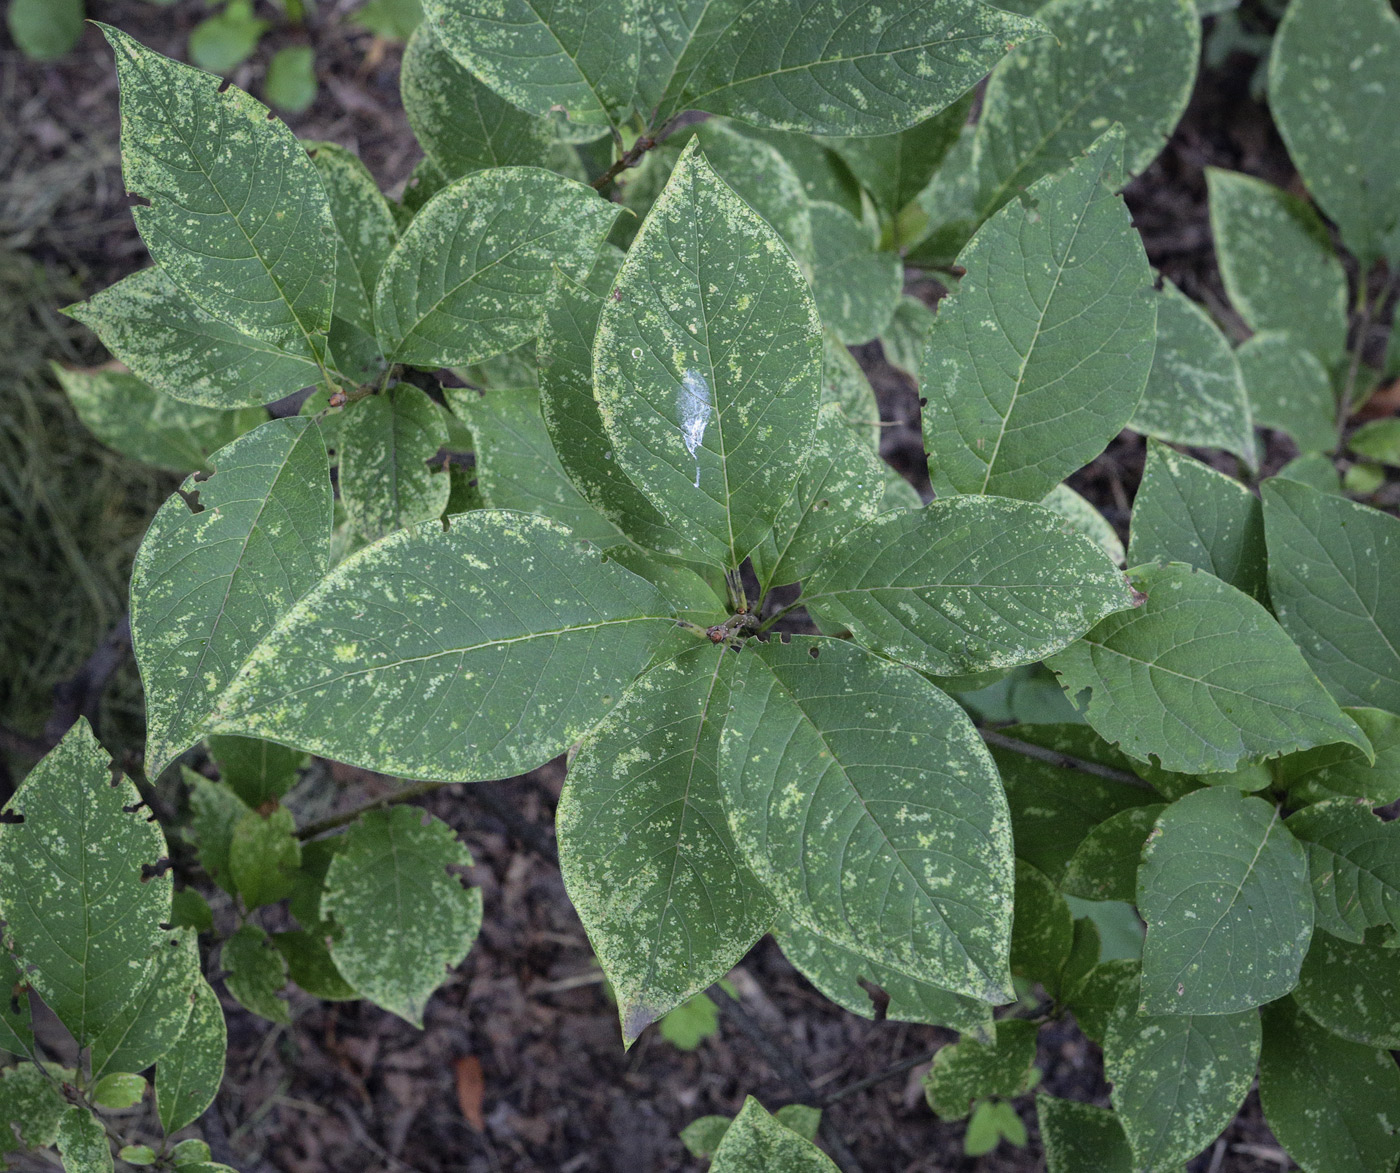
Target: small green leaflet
x=845, y=384
x=397, y=953
x=1042, y=932
x=255, y=974
x=857, y=286
x=217, y=809
x=1353, y=990
x=188, y=1076
x=238, y=218
x=1289, y=389
x=256, y=770
x=263, y=856
x=448, y=696
x=707, y=364
x=1029, y=376
x=386, y=442
x=1332, y=566
x=1105, y=864
x=887, y=831
x=466, y=279
x=759, y=1143
x=971, y=1070
x=1199, y=679
x=669, y=903
x=1224, y=890
x=207, y=586
x=966, y=584
x=1354, y=866
x=153, y=1020
x=310, y=965
x=81, y=916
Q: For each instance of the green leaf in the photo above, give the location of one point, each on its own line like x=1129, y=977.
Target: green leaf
x=394, y=20
x=1224, y=890
x=467, y=278
x=189, y=910
x=82, y=1141
x=905, y=338
x=1353, y=990
x=668, y=901
x=386, y=442
x=16, y=1028
x=1377, y=440
x=1080, y=1138
x=1083, y=517
x=1097, y=995
x=118, y=1090
x=1278, y=264
x=856, y=286
x=1354, y=865
x=762, y=178
x=1195, y=393
x=137, y=1154
x=971, y=1070
x=1178, y=1079
x=207, y=586
x=1289, y=389
x=707, y=364
x=256, y=770
x=1331, y=770
x=217, y=810
x=224, y=41
x=190, y=1152
x=290, y=83
x=824, y=176
x=446, y=697
x=1331, y=564
x=965, y=584
x=45, y=29
x=31, y=1106
x=81, y=917
x=1331, y=1102
x=1105, y=864
x=1042, y=933
x=690, y=1023
x=982, y=1134
x=1315, y=470
x=842, y=486
x=1185, y=511
x=364, y=230
x=152, y=1021
x=1333, y=74
x=188, y=1076
x=839, y=973
x=840, y=67
x=461, y=124
x=263, y=856
x=1199, y=678
x=310, y=965
x=516, y=465
x=254, y=973
x=759, y=1143
x=238, y=218
x=702, y=1137
x=845, y=384
x=1127, y=61
x=1029, y=375
x=889, y=836
x=395, y=953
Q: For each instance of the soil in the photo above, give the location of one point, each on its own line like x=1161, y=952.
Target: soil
x=520, y=1067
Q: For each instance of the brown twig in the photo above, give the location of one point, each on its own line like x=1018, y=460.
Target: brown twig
x=1055, y=758
x=334, y=822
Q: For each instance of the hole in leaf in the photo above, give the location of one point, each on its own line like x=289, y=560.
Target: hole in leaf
x=923, y=400
x=132, y=808
x=224, y=85
x=11, y=818
x=150, y=871
x=879, y=999
x=165, y=926
x=815, y=653
x=785, y=637
x=271, y=117
x=191, y=500
x=136, y=201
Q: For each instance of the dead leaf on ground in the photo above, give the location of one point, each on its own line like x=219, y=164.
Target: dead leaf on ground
x=471, y=1089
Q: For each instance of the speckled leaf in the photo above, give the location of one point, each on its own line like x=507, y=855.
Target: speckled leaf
x=16, y=1028
x=1087, y=520
x=866, y=802
x=1354, y=867
x=1195, y=393
x=396, y=953
x=844, y=383
x=189, y=1074
x=256, y=770
x=152, y=1021
x=1177, y=1079
x=207, y=586
x=970, y=1070
x=707, y=364
x=1095, y=998
x=1334, y=75
x=521, y=641
x=1331, y=1102
x=899, y=493
x=965, y=584
x=1335, y=770
x=1080, y=1138
x=648, y=860
x=840, y=974
x=364, y=230
x=31, y=1106
x=1289, y=389
x=1332, y=569
x=461, y=123
x=179, y=349
x=310, y=965
x=254, y=973
x=577, y=58
x=1127, y=61
x=82, y=1142
x=516, y=466
x=217, y=809
x=1105, y=864
x=80, y=915
x=843, y=67
x=263, y=856
x=841, y=487
x=237, y=217
x=1199, y=678
x=135, y=419
x=1353, y=989
x=1278, y=264
x=1224, y=890
x=905, y=338
x=857, y=287
x=1042, y=931
x=1185, y=511
x=468, y=276
x=1041, y=356
x=386, y=442
x=759, y=1143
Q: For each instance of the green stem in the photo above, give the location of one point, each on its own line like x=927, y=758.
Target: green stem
x=416, y=790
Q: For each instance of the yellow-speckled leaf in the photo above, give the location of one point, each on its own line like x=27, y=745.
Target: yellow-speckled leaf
x=190, y=1073
x=386, y=442
x=759, y=1143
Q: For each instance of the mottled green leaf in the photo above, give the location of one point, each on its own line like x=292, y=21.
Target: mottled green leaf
x=217, y=810
x=263, y=856
x=188, y=1076
x=759, y=1143
x=310, y=965
x=396, y=953
x=707, y=364
x=971, y=1070
x=1289, y=389
x=866, y=803
x=857, y=287
x=965, y=584
x=824, y=176
x=118, y=1090
x=16, y=1028
x=467, y=277
x=190, y=1152
x=1041, y=356
x=31, y=1106
x=208, y=585
x=1195, y=393
x=364, y=230
x=1105, y=864
x=1082, y=516
x=1354, y=867
x=1097, y=995
x=845, y=384
x=1332, y=566
x=1042, y=933
x=1080, y=1138
x=82, y=1142
x=1334, y=75
x=386, y=442
x=1199, y=678
x=257, y=770
x=669, y=903
x=1353, y=989
x=189, y=910
x=1224, y=890
x=152, y=1021
x=1331, y=1102
x=254, y=974
x=1278, y=264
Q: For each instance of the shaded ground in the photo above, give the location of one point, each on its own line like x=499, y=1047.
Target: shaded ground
x=350, y=1088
